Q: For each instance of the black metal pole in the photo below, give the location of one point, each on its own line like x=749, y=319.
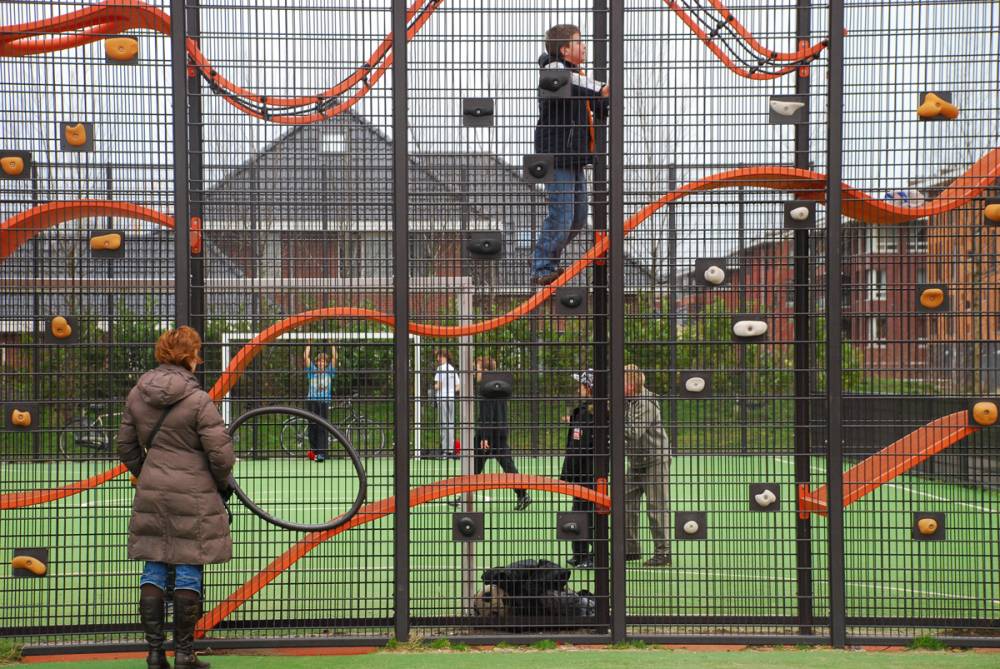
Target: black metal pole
x=802, y=350
x=401, y=314
x=182, y=236
x=599, y=209
x=834, y=389
x=196, y=178
x=616, y=280
x=36, y=325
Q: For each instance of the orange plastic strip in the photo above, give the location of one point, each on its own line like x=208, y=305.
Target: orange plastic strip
x=375, y=510
x=895, y=459
x=804, y=183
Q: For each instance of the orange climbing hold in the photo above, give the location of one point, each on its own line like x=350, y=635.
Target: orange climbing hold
x=34, y=565
x=109, y=242
x=14, y=165
x=122, y=49
x=20, y=418
x=76, y=135
x=985, y=413
x=932, y=298
x=992, y=213
x=60, y=328
x=934, y=106
x=927, y=526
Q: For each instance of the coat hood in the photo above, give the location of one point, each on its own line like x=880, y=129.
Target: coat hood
x=166, y=385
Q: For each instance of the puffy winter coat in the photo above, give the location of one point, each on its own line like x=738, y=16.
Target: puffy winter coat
x=564, y=124
x=177, y=515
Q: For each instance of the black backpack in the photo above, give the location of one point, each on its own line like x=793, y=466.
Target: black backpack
x=537, y=588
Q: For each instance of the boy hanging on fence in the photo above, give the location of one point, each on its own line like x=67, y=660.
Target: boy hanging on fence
x=319, y=376
x=565, y=129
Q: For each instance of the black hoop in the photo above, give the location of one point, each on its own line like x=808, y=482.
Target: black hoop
x=359, y=469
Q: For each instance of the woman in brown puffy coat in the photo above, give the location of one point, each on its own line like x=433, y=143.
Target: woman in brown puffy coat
x=174, y=442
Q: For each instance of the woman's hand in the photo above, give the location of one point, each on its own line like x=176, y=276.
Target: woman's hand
x=484, y=445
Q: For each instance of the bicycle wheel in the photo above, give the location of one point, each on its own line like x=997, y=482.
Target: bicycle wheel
x=79, y=437
x=294, y=437
x=367, y=437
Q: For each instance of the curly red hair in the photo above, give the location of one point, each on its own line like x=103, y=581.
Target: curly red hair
x=179, y=347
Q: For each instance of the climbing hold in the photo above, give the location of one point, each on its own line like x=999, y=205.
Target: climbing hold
x=800, y=214
x=538, y=167
x=715, y=275
x=29, y=563
x=60, y=328
x=765, y=498
x=19, y=418
x=691, y=527
x=932, y=298
x=109, y=242
x=121, y=49
x=467, y=526
x=786, y=107
x=934, y=106
x=76, y=135
x=992, y=213
x=695, y=384
x=984, y=413
x=747, y=329
x=927, y=526
x=12, y=165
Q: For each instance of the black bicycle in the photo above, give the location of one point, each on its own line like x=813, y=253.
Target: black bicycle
x=367, y=435
x=91, y=433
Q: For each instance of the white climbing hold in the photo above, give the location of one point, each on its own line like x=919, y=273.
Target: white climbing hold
x=691, y=527
x=715, y=275
x=799, y=214
x=695, y=384
x=786, y=107
x=765, y=498
x=749, y=328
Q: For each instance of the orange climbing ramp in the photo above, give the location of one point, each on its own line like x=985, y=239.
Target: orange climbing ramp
x=371, y=512
x=894, y=460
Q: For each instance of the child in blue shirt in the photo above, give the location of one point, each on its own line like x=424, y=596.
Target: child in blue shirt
x=319, y=377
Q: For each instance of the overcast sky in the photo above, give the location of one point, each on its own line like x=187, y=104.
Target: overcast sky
x=682, y=106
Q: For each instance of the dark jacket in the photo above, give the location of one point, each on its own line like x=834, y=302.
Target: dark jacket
x=578, y=465
x=563, y=127
x=177, y=514
x=491, y=423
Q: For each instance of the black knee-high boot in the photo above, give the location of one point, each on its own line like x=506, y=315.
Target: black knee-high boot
x=187, y=611
x=151, y=615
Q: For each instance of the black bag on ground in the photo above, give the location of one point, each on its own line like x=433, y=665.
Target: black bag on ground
x=534, y=588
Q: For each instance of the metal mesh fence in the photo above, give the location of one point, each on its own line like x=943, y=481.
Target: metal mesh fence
x=721, y=276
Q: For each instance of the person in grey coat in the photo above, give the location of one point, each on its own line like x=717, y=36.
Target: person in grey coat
x=648, y=475
x=182, y=467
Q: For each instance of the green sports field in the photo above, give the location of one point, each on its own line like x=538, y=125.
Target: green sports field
x=745, y=567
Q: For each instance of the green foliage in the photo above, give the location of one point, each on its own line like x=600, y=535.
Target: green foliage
x=10, y=652
x=927, y=642
x=636, y=644
x=544, y=644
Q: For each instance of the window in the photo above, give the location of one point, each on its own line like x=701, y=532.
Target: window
x=883, y=239
x=876, y=285
x=921, y=275
x=332, y=141
x=918, y=237
x=878, y=331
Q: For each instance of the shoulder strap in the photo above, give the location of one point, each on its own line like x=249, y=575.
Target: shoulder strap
x=159, y=423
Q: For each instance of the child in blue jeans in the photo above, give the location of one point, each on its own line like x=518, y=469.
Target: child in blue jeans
x=565, y=130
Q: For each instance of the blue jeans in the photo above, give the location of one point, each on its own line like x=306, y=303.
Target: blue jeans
x=567, y=215
x=187, y=576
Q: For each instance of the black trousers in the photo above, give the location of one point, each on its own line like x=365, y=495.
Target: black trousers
x=581, y=549
x=501, y=455
x=318, y=436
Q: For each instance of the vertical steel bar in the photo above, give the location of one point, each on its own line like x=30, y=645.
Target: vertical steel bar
x=36, y=328
x=182, y=233
x=802, y=348
x=616, y=280
x=196, y=175
x=834, y=389
x=401, y=315
x=599, y=207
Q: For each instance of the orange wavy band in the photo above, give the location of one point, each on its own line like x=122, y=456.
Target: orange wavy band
x=804, y=183
x=113, y=17
x=370, y=512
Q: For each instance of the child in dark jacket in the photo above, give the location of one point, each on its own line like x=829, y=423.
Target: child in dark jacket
x=578, y=465
x=490, y=440
x=565, y=130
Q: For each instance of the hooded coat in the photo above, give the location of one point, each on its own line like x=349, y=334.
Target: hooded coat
x=178, y=516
